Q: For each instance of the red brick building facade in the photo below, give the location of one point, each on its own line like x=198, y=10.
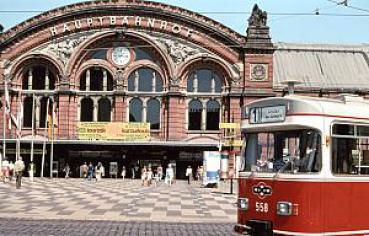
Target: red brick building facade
x=131, y=61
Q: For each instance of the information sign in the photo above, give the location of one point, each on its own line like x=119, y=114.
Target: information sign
x=260, y=115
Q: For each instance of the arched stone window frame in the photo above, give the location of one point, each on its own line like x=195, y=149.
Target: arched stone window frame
x=207, y=125
x=99, y=101
x=95, y=107
x=132, y=74
x=194, y=80
x=80, y=107
x=148, y=101
x=28, y=105
x=143, y=113
x=198, y=101
x=84, y=77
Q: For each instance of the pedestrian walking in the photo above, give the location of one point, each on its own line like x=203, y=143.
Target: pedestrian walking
x=189, y=174
x=150, y=175
x=90, y=172
x=123, y=172
x=99, y=171
x=66, y=170
x=19, y=168
x=133, y=172
x=11, y=170
x=169, y=174
x=84, y=170
x=160, y=172
x=143, y=175
x=5, y=170
x=31, y=171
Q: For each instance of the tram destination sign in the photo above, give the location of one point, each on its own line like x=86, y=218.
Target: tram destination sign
x=259, y=115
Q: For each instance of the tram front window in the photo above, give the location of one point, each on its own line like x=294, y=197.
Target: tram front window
x=296, y=151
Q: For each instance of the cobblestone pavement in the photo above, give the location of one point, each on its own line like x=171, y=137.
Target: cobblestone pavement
x=115, y=200
x=15, y=227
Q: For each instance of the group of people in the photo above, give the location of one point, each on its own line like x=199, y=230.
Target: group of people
x=148, y=175
x=8, y=170
x=90, y=171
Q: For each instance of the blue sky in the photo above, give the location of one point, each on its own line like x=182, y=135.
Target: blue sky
x=234, y=14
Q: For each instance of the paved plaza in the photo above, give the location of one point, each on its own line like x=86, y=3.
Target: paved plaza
x=23, y=227
x=116, y=200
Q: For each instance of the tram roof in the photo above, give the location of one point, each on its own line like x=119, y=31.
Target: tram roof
x=343, y=106
x=322, y=66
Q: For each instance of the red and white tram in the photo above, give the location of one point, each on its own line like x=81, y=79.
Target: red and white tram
x=306, y=167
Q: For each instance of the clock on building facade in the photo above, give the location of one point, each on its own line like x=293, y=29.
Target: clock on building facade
x=121, y=56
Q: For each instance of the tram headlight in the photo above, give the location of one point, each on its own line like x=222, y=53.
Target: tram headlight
x=243, y=204
x=284, y=208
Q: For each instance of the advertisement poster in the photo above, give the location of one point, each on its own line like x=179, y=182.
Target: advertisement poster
x=211, y=167
x=133, y=131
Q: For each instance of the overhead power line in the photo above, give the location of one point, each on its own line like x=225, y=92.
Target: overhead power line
x=238, y=13
x=346, y=4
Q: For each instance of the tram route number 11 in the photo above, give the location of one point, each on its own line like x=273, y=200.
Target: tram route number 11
x=261, y=207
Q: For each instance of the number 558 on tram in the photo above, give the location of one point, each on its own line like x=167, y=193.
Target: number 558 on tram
x=305, y=167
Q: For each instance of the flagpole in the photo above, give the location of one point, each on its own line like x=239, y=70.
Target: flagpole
x=4, y=123
x=19, y=123
x=52, y=139
x=45, y=133
x=33, y=121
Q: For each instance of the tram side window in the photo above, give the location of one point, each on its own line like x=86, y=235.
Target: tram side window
x=350, y=156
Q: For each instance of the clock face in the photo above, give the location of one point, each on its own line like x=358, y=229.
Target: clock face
x=121, y=56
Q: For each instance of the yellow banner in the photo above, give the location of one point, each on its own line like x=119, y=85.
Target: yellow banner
x=114, y=131
x=229, y=125
x=233, y=143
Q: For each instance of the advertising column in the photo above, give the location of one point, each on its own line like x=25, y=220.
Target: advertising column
x=211, y=167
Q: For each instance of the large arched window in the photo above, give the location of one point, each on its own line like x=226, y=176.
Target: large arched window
x=145, y=80
x=153, y=113
x=204, y=81
x=194, y=115
x=135, y=110
x=104, y=112
x=96, y=79
x=87, y=109
x=27, y=112
x=38, y=78
x=212, y=115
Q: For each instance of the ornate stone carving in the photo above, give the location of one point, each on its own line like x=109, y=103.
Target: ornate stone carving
x=175, y=81
x=259, y=72
x=258, y=17
x=64, y=49
x=178, y=51
x=119, y=76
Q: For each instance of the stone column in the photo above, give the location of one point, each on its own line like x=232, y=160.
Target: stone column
x=79, y=110
x=127, y=109
x=95, y=111
x=195, y=83
x=186, y=115
x=37, y=111
x=88, y=82
x=136, y=80
x=144, y=110
x=105, y=80
x=47, y=79
x=153, y=82
x=203, y=115
x=213, y=84
x=30, y=78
